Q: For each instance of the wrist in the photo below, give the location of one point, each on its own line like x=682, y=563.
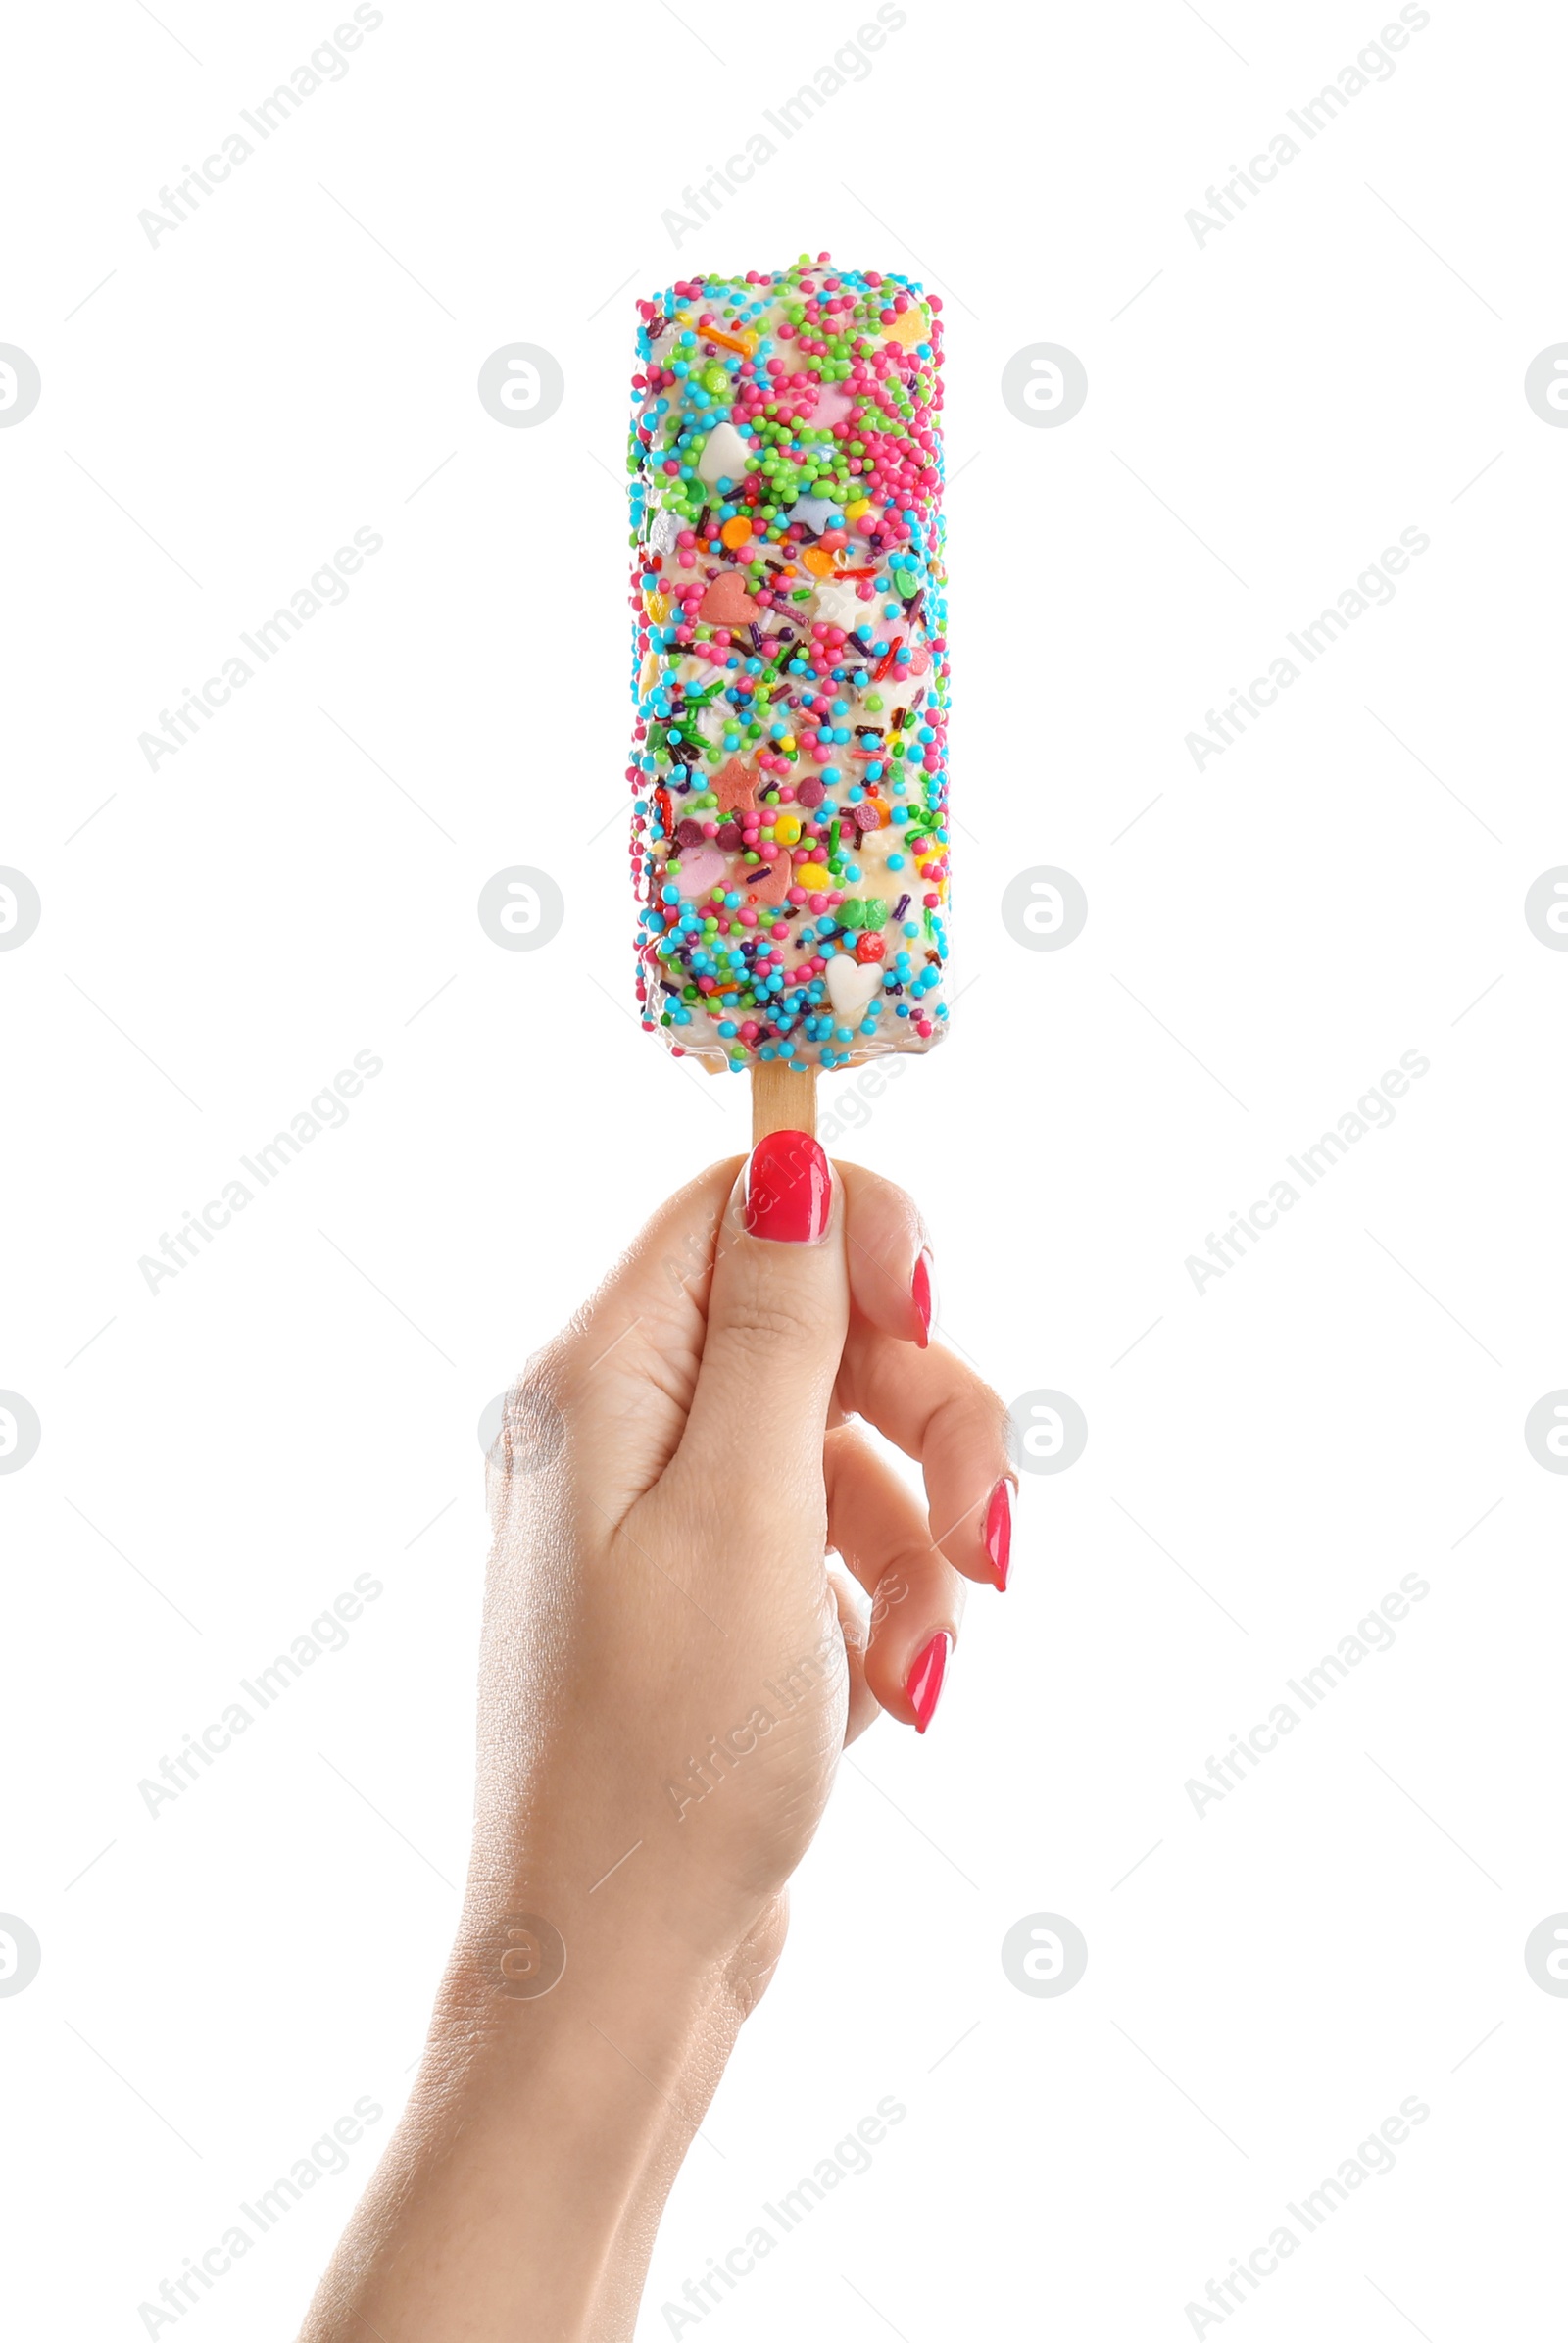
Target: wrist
x=566, y=2072
x=526, y=1997
x=666, y=1918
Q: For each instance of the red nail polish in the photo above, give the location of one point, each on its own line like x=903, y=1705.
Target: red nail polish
x=788, y=1190
x=999, y=1531
x=923, y=1297
x=924, y=1683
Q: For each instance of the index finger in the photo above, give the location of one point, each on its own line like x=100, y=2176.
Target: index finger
x=889, y=1254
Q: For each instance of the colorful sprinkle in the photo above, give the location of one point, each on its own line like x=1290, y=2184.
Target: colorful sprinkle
x=790, y=667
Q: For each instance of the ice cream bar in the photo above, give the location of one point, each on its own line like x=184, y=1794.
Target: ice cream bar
x=790, y=671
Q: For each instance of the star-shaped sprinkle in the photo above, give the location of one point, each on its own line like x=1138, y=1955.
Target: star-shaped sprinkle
x=816, y=512
x=735, y=787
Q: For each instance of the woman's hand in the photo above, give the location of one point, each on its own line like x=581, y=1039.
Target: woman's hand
x=668, y=1674
x=666, y=1660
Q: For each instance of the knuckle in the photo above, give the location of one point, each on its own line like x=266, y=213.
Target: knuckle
x=971, y=1407
x=761, y=1328
x=895, y=1587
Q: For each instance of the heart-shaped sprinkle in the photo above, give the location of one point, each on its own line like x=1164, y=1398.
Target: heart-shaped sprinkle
x=726, y=456
x=700, y=870
x=727, y=603
x=851, y=987
x=769, y=881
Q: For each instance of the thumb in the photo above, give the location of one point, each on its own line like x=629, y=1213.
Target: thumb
x=777, y=1312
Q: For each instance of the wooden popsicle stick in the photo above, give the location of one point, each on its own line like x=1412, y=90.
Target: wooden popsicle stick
x=782, y=1100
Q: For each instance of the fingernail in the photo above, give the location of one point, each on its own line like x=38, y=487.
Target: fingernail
x=924, y=1300
x=924, y=1682
x=999, y=1532
x=788, y=1190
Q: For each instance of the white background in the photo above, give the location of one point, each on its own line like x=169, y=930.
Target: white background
x=1267, y=412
